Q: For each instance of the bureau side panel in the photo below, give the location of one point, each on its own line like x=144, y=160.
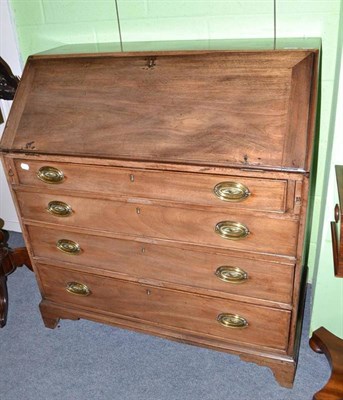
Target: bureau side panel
x=300, y=275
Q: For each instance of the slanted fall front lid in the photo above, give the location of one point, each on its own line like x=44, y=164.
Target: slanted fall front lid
x=220, y=108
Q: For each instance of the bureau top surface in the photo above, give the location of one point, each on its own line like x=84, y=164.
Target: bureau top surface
x=218, y=108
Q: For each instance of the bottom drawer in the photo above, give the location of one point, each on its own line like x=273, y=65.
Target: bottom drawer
x=208, y=316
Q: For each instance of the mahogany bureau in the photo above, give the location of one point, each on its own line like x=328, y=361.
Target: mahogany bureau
x=166, y=192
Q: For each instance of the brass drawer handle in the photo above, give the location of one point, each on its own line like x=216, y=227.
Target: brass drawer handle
x=231, y=274
x=50, y=175
x=68, y=246
x=232, y=321
x=59, y=209
x=80, y=289
x=231, y=191
x=231, y=230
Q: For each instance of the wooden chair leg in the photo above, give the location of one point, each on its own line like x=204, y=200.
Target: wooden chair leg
x=19, y=257
x=3, y=299
x=323, y=341
x=10, y=259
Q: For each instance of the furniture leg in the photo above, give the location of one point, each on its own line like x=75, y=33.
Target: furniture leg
x=10, y=259
x=3, y=298
x=323, y=341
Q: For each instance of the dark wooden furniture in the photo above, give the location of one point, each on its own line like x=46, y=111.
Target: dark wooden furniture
x=323, y=341
x=10, y=259
x=8, y=81
x=166, y=192
x=337, y=227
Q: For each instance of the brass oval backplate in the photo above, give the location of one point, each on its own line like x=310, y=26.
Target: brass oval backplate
x=231, y=230
x=59, y=209
x=232, y=321
x=80, y=289
x=231, y=191
x=49, y=174
x=68, y=246
x=231, y=274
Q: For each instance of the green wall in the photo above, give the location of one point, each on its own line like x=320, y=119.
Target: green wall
x=328, y=290
x=44, y=24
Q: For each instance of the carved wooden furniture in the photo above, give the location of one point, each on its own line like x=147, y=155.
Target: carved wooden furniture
x=166, y=192
x=8, y=81
x=323, y=341
x=10, y=259
x=337, y=227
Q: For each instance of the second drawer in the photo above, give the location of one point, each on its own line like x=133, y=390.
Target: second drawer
x=256, y=233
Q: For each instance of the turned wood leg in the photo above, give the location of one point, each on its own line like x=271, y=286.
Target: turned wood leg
x=323, y=341
x=3, y=283
x=19, y=257
x=3, y=298
x=9, y=260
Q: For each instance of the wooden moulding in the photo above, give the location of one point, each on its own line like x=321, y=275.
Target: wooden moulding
x=336, y=226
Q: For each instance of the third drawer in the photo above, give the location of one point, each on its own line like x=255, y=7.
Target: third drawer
x=222, y=272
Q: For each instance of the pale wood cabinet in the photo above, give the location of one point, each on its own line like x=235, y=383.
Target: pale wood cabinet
x=166, y=192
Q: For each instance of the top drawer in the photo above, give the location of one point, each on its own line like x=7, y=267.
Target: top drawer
x=192, y=188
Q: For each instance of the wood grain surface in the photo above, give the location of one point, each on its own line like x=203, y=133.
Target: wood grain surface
x=217, y=109
x=164, y=265
x=192, y=188
x=192, y=225
x=142, y=139
x=267, y=326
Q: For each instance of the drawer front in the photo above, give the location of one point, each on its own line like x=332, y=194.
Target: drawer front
x=167, y=308
x=257, y=233
x=141, y=261
x=203, y=189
